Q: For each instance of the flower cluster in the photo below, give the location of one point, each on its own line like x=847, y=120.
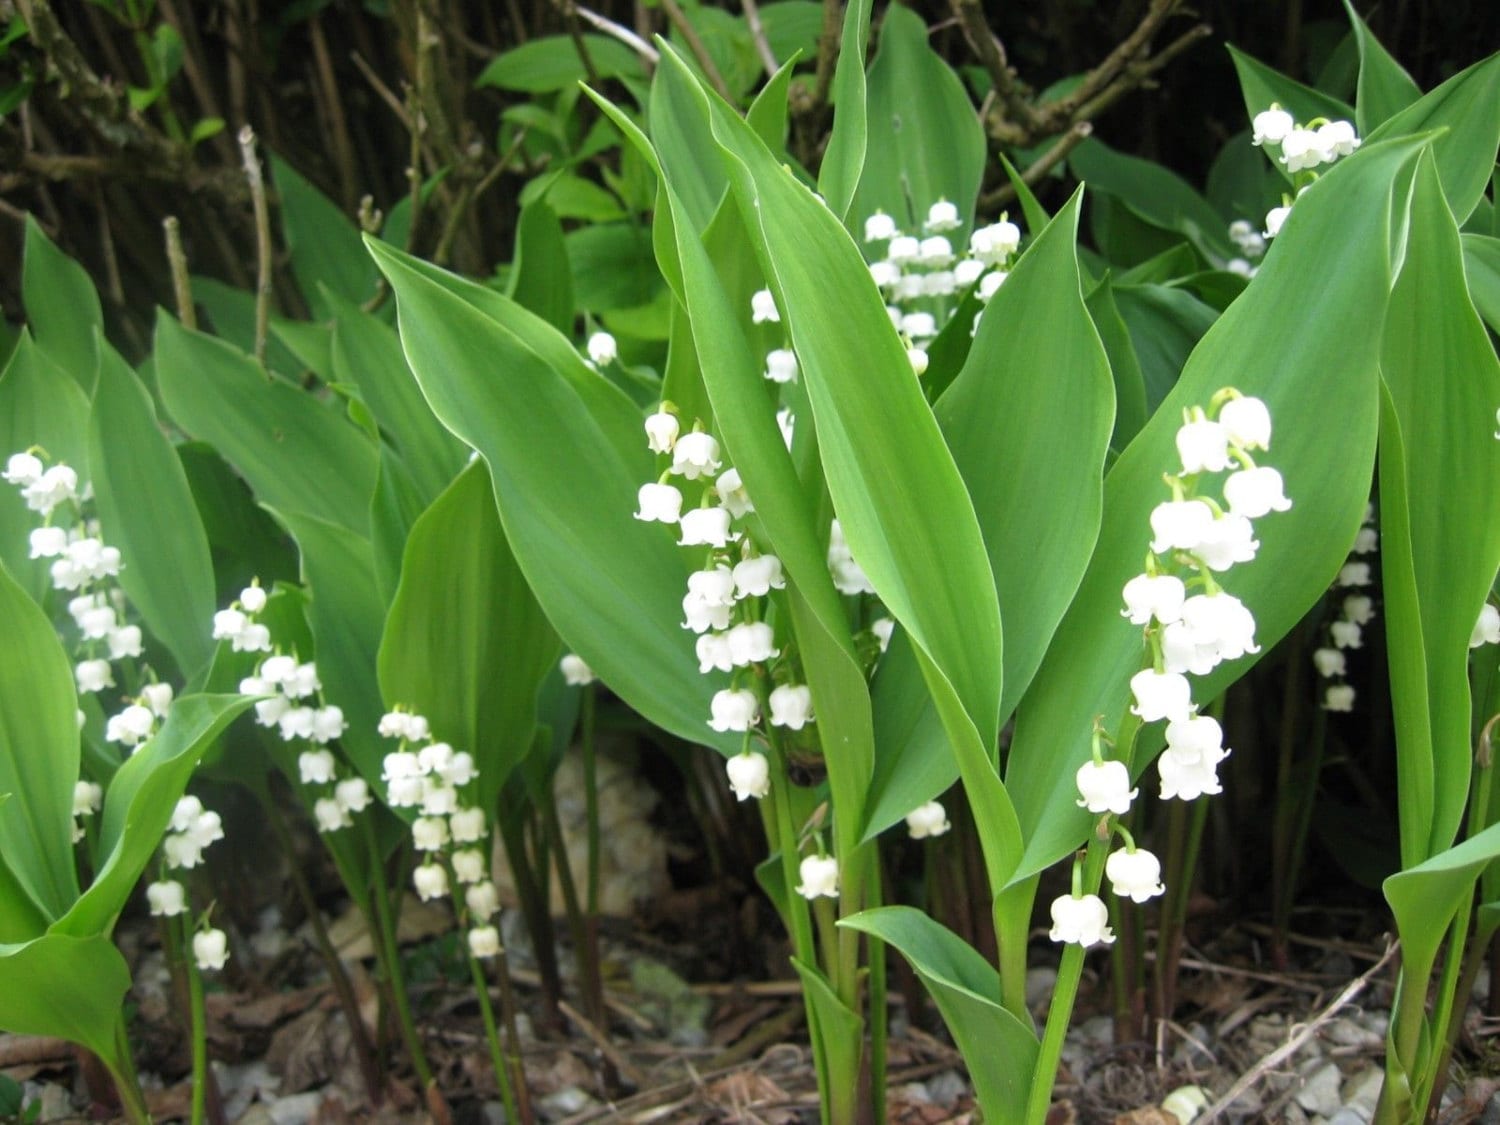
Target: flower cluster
x=1355, y=610
x=1252, y=245
x=84, y=566
x=192, y=829
x=297, y=711
x=1299, y=149
x=451, y=833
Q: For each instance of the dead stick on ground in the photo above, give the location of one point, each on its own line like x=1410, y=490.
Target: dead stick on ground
x=1294, y=1044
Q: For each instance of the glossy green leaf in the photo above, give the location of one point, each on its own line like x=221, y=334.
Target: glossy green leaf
x=573, y=197
x=62, y=307
x=1153, y=193
x=21, y=918
x=1464, y=109
x=540, y=278
x=38, y=752
x=1165, y=326
x=72, y=988
x=297, y=452
x=1031, y=208
x=999, y=1050
x=844, y=158
x=40, y=405
x=323, y=242
x=567, y=455
x=244, y=541
x=465, y=642
x=1440, y=556
x=167, y=573
x=1384, y=86
x=925, y=141
x=1125, y=368
x=139, y=802
x=1330, y=265
x=767, y=114
x=551, y=63
x=1482, y=264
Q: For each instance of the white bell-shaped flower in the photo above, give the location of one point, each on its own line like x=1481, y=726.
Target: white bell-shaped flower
x=1253, y=493
x=430, y=881
x=253, y=599
x=353, y=794
x=996, y=242
x=1134, y=874
x=1354, y=574
x=1336, y=139
x=1158, y=596
x=166, y=898
x=484, y=941
x=1300, y=150
x=763, y=307
x=706, y=527
x=429, y=833
x=758, y=576
x=1228, y=540
x=130, y=726
x=820, y=877
x=482, y=899
x=661, y=503
x=749, y=775
x=700, y=616
x=903, y=249
x=1367, y=540
x=919, y=325
x=926, y=821
x=1180, y=525
x=1082, y=920
x=1104, y=787
x=662, y=429
x=935, y=252
x=750, y=642
x=576, y=673
x=48, y=542
x=469, y=865
x=22, y=469
x=1486, y=628
x=1359, y=608
x=879, y=227
x=210, y=949
x=1160, y=695
x=942, y=216
x=1271, y=126
x=886, y=275
x=316, y=767
x=1222, y=621
x=1330, y=662
x=125, y=643
x=713, y=652
x=1338, y=697
x=1248, y=421
x=466, y=826
x=55, y=486
x=602, y=348
x=733, y=709
x=732, y=494
x=1197, y=736
x=330, y=815
x=88, y=797
x=919, y=360
x=1187, y=779
x=781, y=366
x=1346, y=634
x=1203, y=446
x=93, y=675
x=696, y=455
x=791, y=706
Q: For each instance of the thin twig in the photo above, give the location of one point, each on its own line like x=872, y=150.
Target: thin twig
x=1021, y=113
x=695, y=45
x=343, y=147
x=1275, y=1058
x=620, y=32
x=1006, y=192
x=758, y=37
x=1136, y=74
x=182, y=289
x=381, y=89
x=1113, y=65
x=575, y=33
x=623, y=1066
x=262, y=242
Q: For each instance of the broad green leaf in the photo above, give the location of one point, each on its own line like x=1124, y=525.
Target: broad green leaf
x=62, y=307
x=40, y=405
x=38, y=752
x=573, y=197
x=298, y=454
x=1482, y=264
x=146, y=509
x=231, y=314
x=244, y=541
x=768, y=113
x=1260, y=85
x=792, y=26
x=1443, y=379
x=1464, y=108
x=1165, y=325
x=1330, y=265
x=1151, y=192
x=396, y=505
x=1130, y=386
x=925, y=141
x=139, y=802
x=1241, y=182
x=465, y=642
x=681, y=136
x=999, y=1050
x=1031, y=208
x=346, y=614
x=551, y=63
x=1384, y=86
x=844, y=158
x=21, y=919
x=72, y=988
x=566, y=455
x=323, y=242
x=367, y=354
x=612, y=266
x=540, y=279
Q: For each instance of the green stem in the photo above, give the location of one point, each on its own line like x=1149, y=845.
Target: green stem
x=594, y=995
x=121, y=1067
x=390, y=957
x=492, y=1037
x=199, y=1024
x=879, y=1018
x=588, y=964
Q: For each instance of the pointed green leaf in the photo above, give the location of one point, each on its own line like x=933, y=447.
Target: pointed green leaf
x=465, y=642
x=69, y=987
x=1384, y=86
x=38, y=751
x=540, y=277
x=323, y=242
x=844, y=158
x=837, y=1035
x=551, y=63
x=1153, y=193
x=1260, y=86
x=1125, y=368
x=1482, y=264
x=167, y=573
x=1443, y=379
x=62, y=307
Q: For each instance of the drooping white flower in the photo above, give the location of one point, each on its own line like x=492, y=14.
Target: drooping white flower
x=909, y=287
x=919, y=360
x=353, y=794
x=820, y=877
x=763, y=307
x=1153, y=595
x=1082, y=920
x=713, y=652
x=1359, y=608
x=996, y=242
x=732, y=494
x=879, y=227
x=429, y=833
x=1330, y=662
x=919, y=325
x=484, y=941
x=55, y=486
x=885, y=274
x=903, y=249
x=791, y=706
x=848, y=576
x=1227, y=540
x=1300, y=150
x=1346, y=634
x=713, y=587
x=253, y=599
x=430, y=881
x=125, y=643
x=466, y=826
x=166, y=898
x=927, y=820
x=1197, y=736
x=935, y=252
x=1336, y=139
x=296, y=723
x=967, y=272
x=750, y=642
x=696, y=455
x=93, y=675
x=658, y=502
x=438, y=798
x=328, y=723
x=1253, y=493
x=990, y=284
x=1486, y=628
x=482, y=899
x=1248, y=421
x=22, y=469
x=48, y=542
x=1188, y=779
x=96, y=622
x=459, y=770
x=228, y=624
x=1160, y=695
x=749, y=775
x=469, y=866
x=1270, y=126
x=706, y=527
x=733, y=709
x=700, y=616
x=210, y=949
x=330, y=815
x=1135, y=875
x=434, y=757
x=316, y=767
x=942, y=216
x=1104, y=787
x=1338, y=697
x=1354, y=574
x=207, y=828
x=883, y=628
x=576, y=673
x=758, y=576
x=1276, y=219
x=1180, y=525
x=662, y=429
x=254, y=637
x=185, y=813
x=940, y=283
x=1366, y=541
x=603, y=349
x=1203, y=446
x=1222, y=621
x=781, y=366
x=178, y=849
x=88, y=797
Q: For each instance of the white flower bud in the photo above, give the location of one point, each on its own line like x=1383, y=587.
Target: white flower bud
x=253, y=599
x=316, y=767
x=1338, y=697
x=210, y=950
x=48, y=542
x=430, y=881
x=484, y=941
x=878, y=228
x=733, y=709
x=942, y=216
x=602, y=348
x=661, y=503
x=1104, y=787
x=482, y=899
x=1486, y=627
x=781, y=366
x=662, y=429
x=763, y=307
x=166, y=898
x=469, y=865
x=1164, y=695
